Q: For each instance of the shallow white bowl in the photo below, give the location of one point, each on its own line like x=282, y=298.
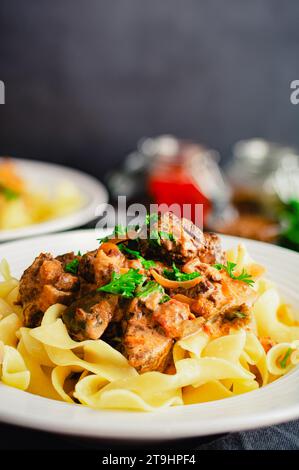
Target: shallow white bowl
x=48, y=175
x=272, y=404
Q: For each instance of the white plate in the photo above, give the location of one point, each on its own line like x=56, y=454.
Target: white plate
x=48, y=175
x=272, y=404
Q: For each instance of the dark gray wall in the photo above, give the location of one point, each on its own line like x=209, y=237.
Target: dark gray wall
x=86, y=79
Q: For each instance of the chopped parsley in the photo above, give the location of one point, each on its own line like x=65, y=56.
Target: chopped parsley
x=124, y=248
x=234, y=315
x=72, y=266
x=147, y=264
x=230, y=267
x=177, y=275
x=289, y=218
x=156, y=236
x=164, y=299
x=119, y=231
x=283, y=362
x=166, y=235
x=9, y=193
x=149, y=288
x=103, y=240
x=124, y=284
x=151, y=218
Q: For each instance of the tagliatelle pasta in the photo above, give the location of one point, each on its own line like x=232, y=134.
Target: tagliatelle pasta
x=46, y=361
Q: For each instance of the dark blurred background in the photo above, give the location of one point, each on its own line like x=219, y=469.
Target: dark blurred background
x=86, y=79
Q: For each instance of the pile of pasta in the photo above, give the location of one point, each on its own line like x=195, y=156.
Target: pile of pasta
x=47, y=362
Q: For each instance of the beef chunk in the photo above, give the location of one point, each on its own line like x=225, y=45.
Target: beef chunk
x=145, y=344
x=89, y=316
x=180, y=240
x=43, y=284
x=96, y=267
x=172, y=316
x=212, y=252
x=226, y=305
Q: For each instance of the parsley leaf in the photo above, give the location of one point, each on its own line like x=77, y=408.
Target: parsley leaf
x=164, y=299
x=283, y=362
x=152, y=286
x=289, y=218
x=151, y=218
x=230, y=267
x=118, y=231
x=72, y=266
x=124, y=248
x=236, y=314
x=103, y=240
x=124, y=284
x=148, y=288
x=156, y=236
x=147, y=264
x=166, y=235
x=8, y=193
x=177, y=275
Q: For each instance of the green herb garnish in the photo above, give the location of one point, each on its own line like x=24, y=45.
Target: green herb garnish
x=156, y=236
x=124, y=284
x=9, y=193
x=103, y=240
x=237, y=314
x=124, y=248
x=72, y=266
x=166, y=235
x=283, y=362
x=151, y=218
x=149, y=288
x=289, y=217
x=164, y=299
x=118, y=231
x=230, y=267
x=147, y=264
x=177, y=275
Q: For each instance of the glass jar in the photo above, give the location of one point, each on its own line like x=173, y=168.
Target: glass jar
x=183, y=172
x=253, y=162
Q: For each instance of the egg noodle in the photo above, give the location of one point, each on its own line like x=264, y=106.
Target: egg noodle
x=45, y=360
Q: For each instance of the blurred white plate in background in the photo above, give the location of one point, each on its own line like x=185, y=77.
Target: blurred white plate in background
x=48, y=175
